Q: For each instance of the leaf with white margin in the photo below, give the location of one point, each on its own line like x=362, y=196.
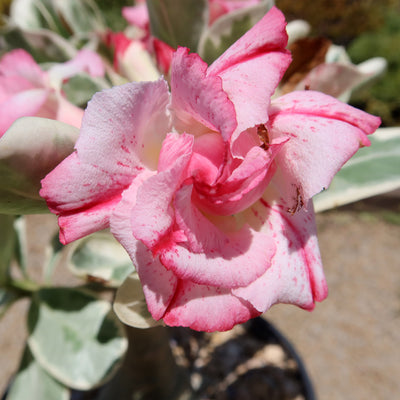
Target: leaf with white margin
x=34, y=14
x=80, y=88
x=130, y=304
x=43, y=45
x=101, y=257
x=33, y=383
x=75, y=337
x=29, y=150
x=371, y=171
x=229, y=28
x=61, y=17
x=178, y=22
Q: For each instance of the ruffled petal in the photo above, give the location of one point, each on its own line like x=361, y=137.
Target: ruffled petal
x=159, y=285
x=252, y=68
x=120, y=137
x=206, y=308
x=244, y=186
x=296, y=274
x=199, y=104
x=323, y=134
x=153, y=216
x=208, y=256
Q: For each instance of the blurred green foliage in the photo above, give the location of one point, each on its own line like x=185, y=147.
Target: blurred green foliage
x=383, y=98
x=112, y=13
x=367, y=29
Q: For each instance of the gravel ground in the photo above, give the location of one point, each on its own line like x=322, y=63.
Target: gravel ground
x=349, y=343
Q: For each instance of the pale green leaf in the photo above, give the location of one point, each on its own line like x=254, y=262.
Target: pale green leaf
x=53, y=255
x=36, y=14
x=130, y=304
x=101, y=258
x=75, y=337
x=372, y=171
x=80, y=88
x=33, y=383
x=229, y=28
x=62, y=17
x=42, y=44
x=80, y=15
x=29, y=150
x=178, y=22
x=22, y=245
x=7, y=246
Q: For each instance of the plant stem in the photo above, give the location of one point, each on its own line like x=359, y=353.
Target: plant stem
x=149, y=370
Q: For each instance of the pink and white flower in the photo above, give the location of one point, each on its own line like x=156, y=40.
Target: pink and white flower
x=27, y=90
x=208, y=186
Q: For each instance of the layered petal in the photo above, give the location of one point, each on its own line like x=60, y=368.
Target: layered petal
x=206, y=308
x=121, y=136
x=199, y=105
x=242, y=187
x=323, y=134
x=296, y=275
x=153, y=215
x=159, y=285
x=252, y=68
x=210, y=254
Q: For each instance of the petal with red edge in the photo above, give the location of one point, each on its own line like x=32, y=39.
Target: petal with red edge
x=206, y=308
x=153, y=216
x=158, y=284
x=244, y=186
x=208, y=256
x=296, y=274
x=199, y=104
x=323, y=134
x=124, y=127
x=252, y=68
x=119, y=139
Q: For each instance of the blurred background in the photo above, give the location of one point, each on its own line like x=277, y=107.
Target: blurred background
x=350, y=342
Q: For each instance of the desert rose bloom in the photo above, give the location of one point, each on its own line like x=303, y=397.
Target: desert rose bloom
x=27, y=90
x=209, y=186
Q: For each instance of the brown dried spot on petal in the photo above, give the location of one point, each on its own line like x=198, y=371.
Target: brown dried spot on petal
x=262, y=133
x=299, y=203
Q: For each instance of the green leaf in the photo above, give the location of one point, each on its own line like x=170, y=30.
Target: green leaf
x=62, y=17
x=22, y=245
x=80, y=15
x=373, y=170
x=80, y=88
x=7, y=246
x=33, y=383
x=101, y=258
x=130, y=304
x=36, y=14
x=29, y=150
x=42, y=44
x=178, y=22
x=229, y=28
x=75, y=337
x=54, y=254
